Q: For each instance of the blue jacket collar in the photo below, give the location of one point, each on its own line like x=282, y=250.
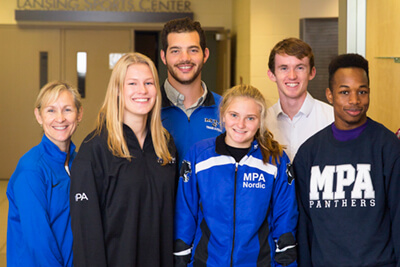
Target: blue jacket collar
x=56, y=154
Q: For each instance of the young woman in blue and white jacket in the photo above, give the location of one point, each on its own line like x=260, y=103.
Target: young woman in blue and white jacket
x=236, y=203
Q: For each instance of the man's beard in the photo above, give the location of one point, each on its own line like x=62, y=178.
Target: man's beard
x=175, y=76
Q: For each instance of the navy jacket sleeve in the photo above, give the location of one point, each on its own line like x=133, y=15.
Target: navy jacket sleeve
x=392, y=176
x=304, y=230
x=86, y=219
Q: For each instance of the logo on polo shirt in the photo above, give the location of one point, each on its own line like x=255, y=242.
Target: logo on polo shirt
x=215, y=124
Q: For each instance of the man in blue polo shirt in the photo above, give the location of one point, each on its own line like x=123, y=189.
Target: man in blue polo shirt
x=190, y=111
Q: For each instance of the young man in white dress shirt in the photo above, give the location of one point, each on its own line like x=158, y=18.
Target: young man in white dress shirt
x=297, y=115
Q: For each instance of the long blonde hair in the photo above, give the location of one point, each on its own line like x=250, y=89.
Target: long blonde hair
x=112, y=112
x=269, y=147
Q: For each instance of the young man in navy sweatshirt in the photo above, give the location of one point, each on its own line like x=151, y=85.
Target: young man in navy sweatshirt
x=348, y=179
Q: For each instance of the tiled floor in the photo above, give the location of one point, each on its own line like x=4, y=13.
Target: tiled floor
x=3, y=222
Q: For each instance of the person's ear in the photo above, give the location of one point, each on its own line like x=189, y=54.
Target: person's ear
x=329, y=96
x=206, y=55
x=271, y=76
x=312, y=74
x=80, y=114
x=38, y=116
x=162, y=55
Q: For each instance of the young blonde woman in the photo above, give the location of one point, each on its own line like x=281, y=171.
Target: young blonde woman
x=236, y=205
x=39, y=223
x=123, y=178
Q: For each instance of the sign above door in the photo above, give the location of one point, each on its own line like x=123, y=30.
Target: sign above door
x=138, y=11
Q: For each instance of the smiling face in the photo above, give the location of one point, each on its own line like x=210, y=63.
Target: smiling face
x=59, y=119
x=241, y=120
x=291, y=76
x=139, y=93
x=350, y=97
x=184, y=57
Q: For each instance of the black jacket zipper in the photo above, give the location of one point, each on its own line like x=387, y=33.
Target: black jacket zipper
x=234, y=215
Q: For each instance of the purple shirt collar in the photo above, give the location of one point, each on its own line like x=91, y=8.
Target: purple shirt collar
x=347, y=135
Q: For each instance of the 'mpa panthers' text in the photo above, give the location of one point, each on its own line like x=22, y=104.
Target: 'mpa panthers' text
x=328, y=189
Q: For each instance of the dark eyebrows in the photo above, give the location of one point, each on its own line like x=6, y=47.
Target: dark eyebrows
x=346, y=86
x=174, y=47
x=179, y=47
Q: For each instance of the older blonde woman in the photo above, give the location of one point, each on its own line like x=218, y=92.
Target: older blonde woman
x=123, y=179
x=39, y=224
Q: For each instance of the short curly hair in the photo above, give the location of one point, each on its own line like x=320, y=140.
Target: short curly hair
x=179, y=26
x=347, y=61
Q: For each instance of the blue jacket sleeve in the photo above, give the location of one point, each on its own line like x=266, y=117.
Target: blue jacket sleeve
x=284, y=215
x=187, y=205
x=30, y=196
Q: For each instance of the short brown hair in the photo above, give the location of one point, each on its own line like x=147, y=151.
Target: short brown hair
x=292, y=47
x=179, y=26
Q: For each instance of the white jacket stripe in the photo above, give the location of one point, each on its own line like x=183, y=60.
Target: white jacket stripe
x=259, y=164
x=249, y=161
x=214, y=161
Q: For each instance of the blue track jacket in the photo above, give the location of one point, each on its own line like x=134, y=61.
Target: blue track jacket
x=234, y=214
x=39, y=225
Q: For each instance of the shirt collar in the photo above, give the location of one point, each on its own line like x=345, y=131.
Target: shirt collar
x=305, y=109
x=54, y=151
x=177, y=98
x=307, y=106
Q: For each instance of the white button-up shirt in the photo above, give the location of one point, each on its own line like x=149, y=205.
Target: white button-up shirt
x=313, y=116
